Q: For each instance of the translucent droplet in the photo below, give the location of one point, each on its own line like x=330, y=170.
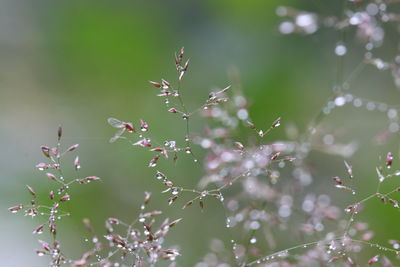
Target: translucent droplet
x=286, y=27
x=372, y=9
x=228, y=222
x=340, y=50
x=357, y=102
x=340, y=101
x=175, y=191
x=371, y=106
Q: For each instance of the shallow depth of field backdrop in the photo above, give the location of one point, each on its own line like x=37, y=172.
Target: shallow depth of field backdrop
x=76, y=63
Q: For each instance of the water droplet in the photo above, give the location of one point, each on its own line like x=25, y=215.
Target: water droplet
x=286, y=27
x=242, y=114
x=175, y=191
x=340, y=101
x=392, y=113
x=357, y=102
x=340, y=50
x=371, y=106
x=372, y=9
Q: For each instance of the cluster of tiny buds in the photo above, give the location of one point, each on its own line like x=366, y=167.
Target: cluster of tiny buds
x=53, y=212
x=256, y=207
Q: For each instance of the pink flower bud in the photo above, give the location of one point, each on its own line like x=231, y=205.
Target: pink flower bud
x=276, y=123
x=389, y=159
x=337, y=180
x=40, y=252
x=239, y=145
x=42, y=166
x=185, y=67
x=113, y=220
x=147, y=197
x=373, y=260
x=172, y=199
x=30, y=189
x=45, y=245
x=143, y=126
x=223, y=90
x=169, y=183
x=349, y=169
x=145, y=142
x=39, y=229
x=129, y=127
x=65, y=198
x=155, y=84
x=394, y=202
x=76, y=163
x=16, y=208
x=250, y=125
x=92, y=178
x=154, y=160
x=275, y=156
x=165, y=84
x=73, y=147
x=46, y=151
x=54, y=166
x=51, y=176
x=53, y=228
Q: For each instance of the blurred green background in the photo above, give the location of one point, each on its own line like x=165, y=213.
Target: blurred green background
x=76, y=63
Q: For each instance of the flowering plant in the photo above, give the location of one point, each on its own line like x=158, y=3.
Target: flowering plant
x=262, y=185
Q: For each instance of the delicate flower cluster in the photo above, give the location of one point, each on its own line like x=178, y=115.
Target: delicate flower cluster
x=262, y=185
x=140, y=242
x=262, y=201
x=257, y=167
x=130, y=242
x=54, y=209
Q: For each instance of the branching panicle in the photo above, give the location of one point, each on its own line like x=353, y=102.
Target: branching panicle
x=262, y=185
